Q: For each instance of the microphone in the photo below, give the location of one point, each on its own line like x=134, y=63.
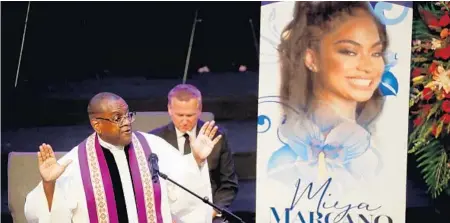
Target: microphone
x=153, y=159
x=155, y=168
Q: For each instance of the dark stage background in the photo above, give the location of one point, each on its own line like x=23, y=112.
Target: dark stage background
x=75, y=41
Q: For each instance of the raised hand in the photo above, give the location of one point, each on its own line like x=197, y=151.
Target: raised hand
x=203, y=145
x=48, y=167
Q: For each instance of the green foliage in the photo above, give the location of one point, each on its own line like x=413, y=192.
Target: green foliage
x=429, y=141
x=433, y=161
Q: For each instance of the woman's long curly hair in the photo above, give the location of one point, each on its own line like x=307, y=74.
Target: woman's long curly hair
x=310, y=22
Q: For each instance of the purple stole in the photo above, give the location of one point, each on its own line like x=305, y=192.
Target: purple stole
x=98, y=188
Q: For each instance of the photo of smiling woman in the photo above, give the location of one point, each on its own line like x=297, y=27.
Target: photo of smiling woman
x=333, y=111
x=331, y=61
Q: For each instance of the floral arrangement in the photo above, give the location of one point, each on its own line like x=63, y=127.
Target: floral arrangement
x=430, y=95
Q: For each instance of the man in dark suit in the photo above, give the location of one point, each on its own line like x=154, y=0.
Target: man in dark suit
x=185, y=106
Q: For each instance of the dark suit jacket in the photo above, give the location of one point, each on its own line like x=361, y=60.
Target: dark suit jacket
x=222, y=173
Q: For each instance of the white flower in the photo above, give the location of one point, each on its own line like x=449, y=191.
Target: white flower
x=441, y=80
x=436, y=44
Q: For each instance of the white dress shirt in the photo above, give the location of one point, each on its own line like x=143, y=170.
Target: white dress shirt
x=69, y=201
x=181, y=140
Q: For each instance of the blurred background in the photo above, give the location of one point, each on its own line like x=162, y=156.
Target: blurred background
x=70, y=44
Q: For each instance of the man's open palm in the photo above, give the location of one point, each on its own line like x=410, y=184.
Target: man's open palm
x=203, y=145
x=48, y=167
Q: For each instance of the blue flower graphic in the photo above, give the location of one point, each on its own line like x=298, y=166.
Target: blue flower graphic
x=305, y=137
x=389, y=83
x=343, y=143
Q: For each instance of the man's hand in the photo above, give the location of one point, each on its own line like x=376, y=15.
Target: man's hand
x=204, y=143
x=48, y=167
x=50, y=171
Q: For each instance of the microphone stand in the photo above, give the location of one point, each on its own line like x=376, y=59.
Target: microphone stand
x=226, y=214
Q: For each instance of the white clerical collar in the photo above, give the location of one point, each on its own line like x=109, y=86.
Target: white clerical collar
x=191, y=133
x=109, y=146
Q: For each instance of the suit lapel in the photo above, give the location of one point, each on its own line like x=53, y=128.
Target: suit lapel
x=171, y=136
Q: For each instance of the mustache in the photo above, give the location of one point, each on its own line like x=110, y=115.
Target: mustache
x=123, y=126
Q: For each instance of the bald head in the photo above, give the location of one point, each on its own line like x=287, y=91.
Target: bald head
x=99, y=103
x=110, y=118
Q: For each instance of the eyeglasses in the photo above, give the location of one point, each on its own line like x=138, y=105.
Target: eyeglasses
x=120, y=119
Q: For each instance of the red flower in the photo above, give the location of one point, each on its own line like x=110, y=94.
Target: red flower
x=432, y=68
x=443, y=53
x=446, y=106
x=445, y=20
x=427, y=94
x=446, y=95
x=417, y=72
x=446, y=118
x=429, y=18
x=418, y=121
